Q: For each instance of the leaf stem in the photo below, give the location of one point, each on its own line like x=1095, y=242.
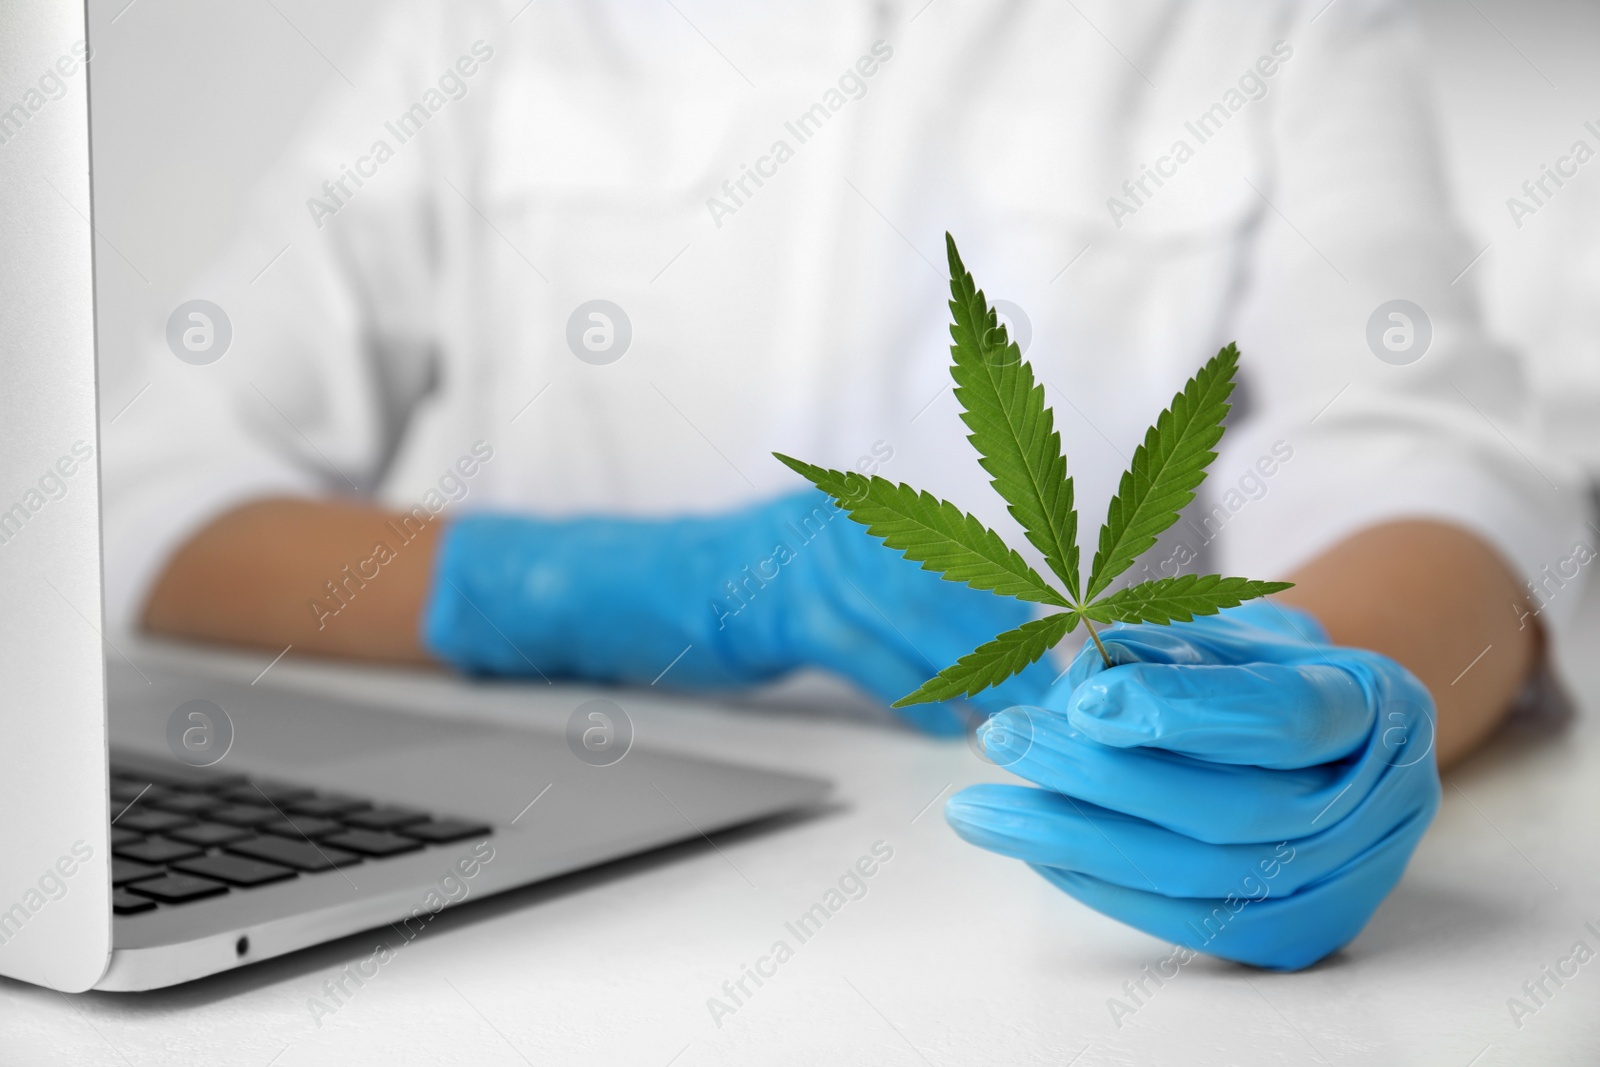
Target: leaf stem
x=1087, y=625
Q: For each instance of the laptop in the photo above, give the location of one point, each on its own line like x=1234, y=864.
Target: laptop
x=158, y=826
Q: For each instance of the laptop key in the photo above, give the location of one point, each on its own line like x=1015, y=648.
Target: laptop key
x=185, y=803
x=121, y=836
x=267, y=792
x=301, y=855
x=174, y=775
x=385, y=818
x=158, y=850
x=327, y=805
x=126, y=903
x=127, y=791
x=373, y=842
x=438, y=831
x=178, y=888
x=125, y=870
x=246, y=815
x=152, y=822
x=235, y=870
x=299, y=827
x=208, y=834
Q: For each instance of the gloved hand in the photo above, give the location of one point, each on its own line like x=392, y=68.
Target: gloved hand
x=742, y=598
x=1235, y=785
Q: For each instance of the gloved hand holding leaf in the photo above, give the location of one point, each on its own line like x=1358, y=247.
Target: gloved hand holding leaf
x=1233, y=782
x=1236, y=785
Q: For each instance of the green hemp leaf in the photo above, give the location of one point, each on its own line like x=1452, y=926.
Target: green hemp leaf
x=1014, y=433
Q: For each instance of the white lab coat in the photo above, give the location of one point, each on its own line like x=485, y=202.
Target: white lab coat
x=411, y=317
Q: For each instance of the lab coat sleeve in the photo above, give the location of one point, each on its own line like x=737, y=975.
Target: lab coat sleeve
x=1355, y=213
x=329, y=289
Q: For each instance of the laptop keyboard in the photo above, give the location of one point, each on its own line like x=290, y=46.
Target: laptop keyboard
x=179, y=834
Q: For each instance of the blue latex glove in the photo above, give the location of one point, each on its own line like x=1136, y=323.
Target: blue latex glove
x=751, y=595
x=1235, y=785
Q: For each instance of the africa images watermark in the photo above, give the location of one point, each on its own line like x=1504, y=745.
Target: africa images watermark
x=452, y=86
x=1251, y=486
x=52, y=885
x=1252, y=890
x=51, y=86
x=851, y=885
x=1538, y=191
x=453, y=487
x=739, y=592
x=50, y=487
x=599, y=732
x=199, y=732
x=1537, y=990
x=453, y=887
x=1252, y=86
x=804, y=127
x=1551, y=580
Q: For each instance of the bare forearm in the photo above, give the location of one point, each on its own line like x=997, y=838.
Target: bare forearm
x=310, y=573
x=337, y=579
x=1439, y=601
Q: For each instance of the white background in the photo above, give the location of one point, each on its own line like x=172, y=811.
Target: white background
x=193, y=100
x=956, y=956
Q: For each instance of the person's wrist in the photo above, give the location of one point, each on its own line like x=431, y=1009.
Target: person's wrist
x=778, y=561
x=610, y=599
x=521, y=595
x=453, y=628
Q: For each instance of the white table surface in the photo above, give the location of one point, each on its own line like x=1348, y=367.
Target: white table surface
x=954, y=956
